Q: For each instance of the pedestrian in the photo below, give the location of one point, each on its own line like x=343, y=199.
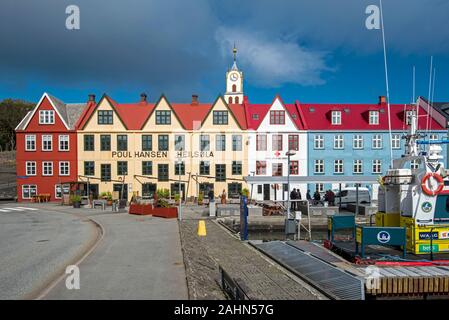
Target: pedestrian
x=293, y=196
x=223, y=197
x=299, y=197
x=316, y=197
x=308, y=196
x=331, y=198
x=211, y=195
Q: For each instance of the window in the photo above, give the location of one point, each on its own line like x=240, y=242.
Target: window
x=319, y=166
x=30, y=168
x=319, y=187
x=180, y=142
x=236, y=143
x=294, y=167
x=147, y=168
x=357, y=142
x=105, y=172
x=147, y=142
x=105, y=142
x=377, y=166
x=358, y=166
x=30, y=142
x=433, y=136
x=338, y=141
x=220, y=142
x=236, y=167
x=338, y=166
x=47, y=142
x=377, y=141
x=204, y=167
x=277, y=169
x=220, y=117
x=64, y=168
x=374, y=117
x=318, y=141
x=261, y=167
x=293, y=142
x=277, y=117
x=105, y=117
x=46, y=117
x=29, y=191
x=122, y=142
x=60, y=190
x=277, y=142
x=259, y=189
x=47, y=168
x=396, y=141
x=162, y=172
x=89, y=168
x=414, y=164
x=220, y=172
x=204, y=142
x=162, y=142
x=63, y=143
x=261, y=142
x=122, y=168
x=163, y=117
x=180, y=168
x=336, y=117
x=234, y=189
x=89, y=142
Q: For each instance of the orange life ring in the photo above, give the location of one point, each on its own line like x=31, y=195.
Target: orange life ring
x=437, y=177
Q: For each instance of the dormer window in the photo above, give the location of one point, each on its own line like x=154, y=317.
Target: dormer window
x=336, y=117
x=46, y=117
x=374, y=117
x=255, y=116
x=220, y=117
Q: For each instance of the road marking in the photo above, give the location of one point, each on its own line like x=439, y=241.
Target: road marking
x=26, y=208
x=1, y=210
x=14, y=209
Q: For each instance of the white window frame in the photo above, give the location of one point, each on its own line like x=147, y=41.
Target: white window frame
x=68, y=168
x=414, y=164
x=32, y=138
x=26, y=168
x=339, y=141
x=319, y=163
x=336, y=117
x=43, y=168
x=51, y=141
x=356, y=139
x=396, y=141
x=319, y=187
x=374, y=117
x=433, y=136
x=46, y=116
x=56, y=193
x=338, y=164
x=318, y=140
x=27, y=186
x=60, y=139
x=377, y=166
x=357, y=164
x=376, y=141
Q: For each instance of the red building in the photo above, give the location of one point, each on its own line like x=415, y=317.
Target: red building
x=47, y=148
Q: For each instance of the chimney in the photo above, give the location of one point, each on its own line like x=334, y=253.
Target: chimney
x=382, y=100
x=92, y=97
x=194, y=99
x=143, y=97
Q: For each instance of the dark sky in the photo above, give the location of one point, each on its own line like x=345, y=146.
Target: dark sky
x=311, y=51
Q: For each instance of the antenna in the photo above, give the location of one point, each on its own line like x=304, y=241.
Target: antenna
x=428, y=96
x=386, y=82
x=413, y=97
x=433, y=92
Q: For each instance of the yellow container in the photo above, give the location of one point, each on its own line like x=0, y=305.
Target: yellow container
x=387, y=219
x=418, y=237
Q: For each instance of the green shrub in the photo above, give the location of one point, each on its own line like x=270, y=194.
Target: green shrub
x=75, y=198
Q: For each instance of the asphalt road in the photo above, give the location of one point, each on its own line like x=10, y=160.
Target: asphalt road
x=139, y=257
x=36, y=244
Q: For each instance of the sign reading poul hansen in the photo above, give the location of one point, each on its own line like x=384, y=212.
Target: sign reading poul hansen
x=161, y=154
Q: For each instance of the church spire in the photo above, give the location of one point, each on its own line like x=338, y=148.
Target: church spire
x=234, y=51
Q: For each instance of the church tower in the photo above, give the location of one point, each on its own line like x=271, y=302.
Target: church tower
x=234, y=83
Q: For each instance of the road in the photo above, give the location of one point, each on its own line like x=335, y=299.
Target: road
x=36, y=244
x=135, y=258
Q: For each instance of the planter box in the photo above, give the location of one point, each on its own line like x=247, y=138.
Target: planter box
x=165, y=212
x=141, y=209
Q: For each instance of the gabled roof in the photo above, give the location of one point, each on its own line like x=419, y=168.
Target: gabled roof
x=237, y=111
x=255, y=113
x=191, y=116
x=69, y=113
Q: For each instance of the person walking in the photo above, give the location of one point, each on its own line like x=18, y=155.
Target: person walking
x=211, y=195
x=223, y=197
x=331, y=198
x=293, y=196
x=299, y=197
x=316, y=197
x=308, y=196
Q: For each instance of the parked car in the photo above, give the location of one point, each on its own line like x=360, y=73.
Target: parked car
x=348, y=195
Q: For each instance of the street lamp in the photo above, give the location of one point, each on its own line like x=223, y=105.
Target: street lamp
x=179, y=185
x=288, y=154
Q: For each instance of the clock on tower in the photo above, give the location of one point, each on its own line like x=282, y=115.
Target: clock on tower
x=234, y=83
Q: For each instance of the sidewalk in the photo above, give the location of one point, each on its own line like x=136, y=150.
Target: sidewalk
x=139, y=258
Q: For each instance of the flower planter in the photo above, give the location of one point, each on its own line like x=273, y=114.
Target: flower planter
x=77, y=204
x=141, y=209
x=165, y=212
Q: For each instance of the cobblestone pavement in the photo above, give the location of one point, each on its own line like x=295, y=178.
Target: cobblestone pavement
x=262, y=278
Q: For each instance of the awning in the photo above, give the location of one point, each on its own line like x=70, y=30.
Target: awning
x=311, y=179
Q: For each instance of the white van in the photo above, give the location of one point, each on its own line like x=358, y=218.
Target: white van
x=348, y=195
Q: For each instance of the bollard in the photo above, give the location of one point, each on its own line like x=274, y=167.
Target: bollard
x=201, y=228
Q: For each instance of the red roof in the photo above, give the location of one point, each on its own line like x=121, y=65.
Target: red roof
x=239, y=113
x=188, y=114
x=134, y=114
x=356, y=116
